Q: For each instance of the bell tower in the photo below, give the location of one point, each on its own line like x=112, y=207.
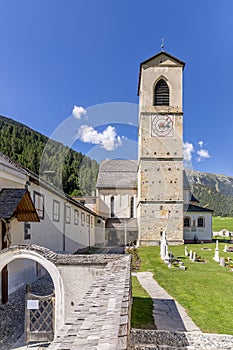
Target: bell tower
x=160, y=159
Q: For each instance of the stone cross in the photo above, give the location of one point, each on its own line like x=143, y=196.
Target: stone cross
x=190, y=254
x=166, y=258
x=216, y=255
x=164, y=247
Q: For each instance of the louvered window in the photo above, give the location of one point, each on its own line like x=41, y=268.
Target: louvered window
x=161, y=94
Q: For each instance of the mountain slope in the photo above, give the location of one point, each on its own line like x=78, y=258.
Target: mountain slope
x=68, y=169
x=214, y=191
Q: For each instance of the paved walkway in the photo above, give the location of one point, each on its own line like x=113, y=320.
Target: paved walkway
x=168, y=314
x=21, y=345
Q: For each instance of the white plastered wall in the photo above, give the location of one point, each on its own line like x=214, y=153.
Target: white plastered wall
x=203, y=233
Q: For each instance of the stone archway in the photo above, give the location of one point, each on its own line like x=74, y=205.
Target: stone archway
x=42, y=256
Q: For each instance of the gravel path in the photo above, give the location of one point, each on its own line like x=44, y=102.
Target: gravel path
x=12, y=314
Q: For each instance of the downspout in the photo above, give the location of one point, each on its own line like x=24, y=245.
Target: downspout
x=64, y=229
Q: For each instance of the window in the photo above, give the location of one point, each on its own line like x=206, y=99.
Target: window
x=132, y=207
x=56, y=210
x=76, y=217
x=112, y=207
x=161, y=93
x=201, y=222
x=187, y=222
x=83, y=219
x=68, y=214
x=88, y=220
x=27, y=227
x=38, y=200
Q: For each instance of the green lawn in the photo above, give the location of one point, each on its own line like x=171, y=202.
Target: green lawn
x=220, y=223
x=141, y=316
x=204, y=289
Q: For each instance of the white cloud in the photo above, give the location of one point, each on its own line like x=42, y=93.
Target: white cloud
x=203, y=154
x=188, y=150
x=78, y=112
x=108, y=139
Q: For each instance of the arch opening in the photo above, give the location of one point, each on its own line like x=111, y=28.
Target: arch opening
x=12, y=254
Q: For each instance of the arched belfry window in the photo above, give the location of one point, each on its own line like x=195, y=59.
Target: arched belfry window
x=161, y=93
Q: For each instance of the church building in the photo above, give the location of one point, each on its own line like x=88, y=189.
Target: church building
x=142, y=198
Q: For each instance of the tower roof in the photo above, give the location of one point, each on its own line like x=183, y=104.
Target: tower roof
x=160, y=59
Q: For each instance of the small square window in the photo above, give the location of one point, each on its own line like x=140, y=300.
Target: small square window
x=88, y=220
x=68, y=214
x=38, y=200
x=83, y=219
x=27, y=227
x=76, y=217
x=56, y=210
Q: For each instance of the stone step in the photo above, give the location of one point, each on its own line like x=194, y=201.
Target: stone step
x=160, y=347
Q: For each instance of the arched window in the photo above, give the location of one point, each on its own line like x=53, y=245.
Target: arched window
x=112, y=207
x=201, y=222
x=132, y=207
x=161, y=93
x=187, y=221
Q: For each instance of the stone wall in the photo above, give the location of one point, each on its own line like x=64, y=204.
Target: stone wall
x=151, y=340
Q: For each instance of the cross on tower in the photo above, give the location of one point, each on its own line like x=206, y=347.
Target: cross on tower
x=162, y=44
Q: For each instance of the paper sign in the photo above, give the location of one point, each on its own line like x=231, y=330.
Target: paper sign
x=33, y=304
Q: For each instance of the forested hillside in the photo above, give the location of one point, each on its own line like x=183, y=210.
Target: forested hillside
x=214, y=191
x=76, y=173
x=60, y=165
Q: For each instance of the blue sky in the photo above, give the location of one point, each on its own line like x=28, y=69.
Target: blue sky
x=57, y=54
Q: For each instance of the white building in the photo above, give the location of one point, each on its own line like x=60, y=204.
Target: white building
x=34, y=212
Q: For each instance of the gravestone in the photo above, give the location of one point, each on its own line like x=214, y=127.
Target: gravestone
x=222, y=262
x=190, y=254
x=194, y=257
x=216, y=255
x=164, y=248
x=186, y=251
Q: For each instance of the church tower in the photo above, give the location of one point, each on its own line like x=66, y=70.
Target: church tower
x=160, y=158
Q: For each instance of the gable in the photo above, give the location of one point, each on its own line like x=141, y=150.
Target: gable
x=17, y=202
x=163, y=59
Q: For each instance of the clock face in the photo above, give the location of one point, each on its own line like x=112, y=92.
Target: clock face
x=162, y=125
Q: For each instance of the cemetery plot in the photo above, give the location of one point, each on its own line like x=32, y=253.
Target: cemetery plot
x=200, y=282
